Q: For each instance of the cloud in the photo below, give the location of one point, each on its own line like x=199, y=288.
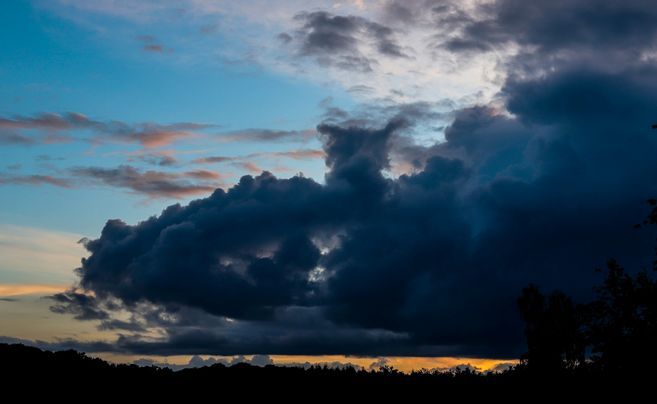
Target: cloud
x=213, y=160
x=299, y=154
x=391, y=48
x=34, y=179
x=52, y=127
x=551, y=26
x=267, y=135
x=151, y=44
x=203, y=175
x=152, y=183
x=379, y=363
x=13, y=289
x=82, y=306
x=502, y=367
x=540, y=186
x=248, y=167
x=47, y=121
x=14, y=138
x=335, y=40
x=155, y=184
x=162, y=160
x=427, y=263
x=20, y=130
x=150, y=135
x=197, y=361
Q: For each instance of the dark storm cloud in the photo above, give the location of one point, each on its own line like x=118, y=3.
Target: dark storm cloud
x=435, y=258
x=554, y=25
x=337, y=40
x=541, y=190
x=81, y=306
x=444, y=14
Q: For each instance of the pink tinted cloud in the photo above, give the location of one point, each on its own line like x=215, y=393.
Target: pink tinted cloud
x=155, y=184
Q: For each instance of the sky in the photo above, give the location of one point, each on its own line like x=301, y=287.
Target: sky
x=365, y=181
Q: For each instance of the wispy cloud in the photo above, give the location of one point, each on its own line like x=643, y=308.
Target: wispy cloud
x=149, y=135
x=14, y=290
x=300, y=154
x=151, y=44
x=248, y=166
x=155, y=184
x=269, y=135
x=392, y=46
x=53, y=127
x=34, y=179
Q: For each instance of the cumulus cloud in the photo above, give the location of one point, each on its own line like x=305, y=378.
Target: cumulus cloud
x=379, y=363
x=539, y=187
x=436, y=257
x=577, y=25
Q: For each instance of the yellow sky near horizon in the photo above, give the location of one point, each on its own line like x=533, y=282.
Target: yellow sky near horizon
x=401, y=363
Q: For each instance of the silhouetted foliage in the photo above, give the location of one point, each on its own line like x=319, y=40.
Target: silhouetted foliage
x=621, y=324
x=618, y=328
x=73, y=374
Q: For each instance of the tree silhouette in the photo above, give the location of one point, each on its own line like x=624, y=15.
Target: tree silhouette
x=552, y=329
x=621, y=325
x=618, y=328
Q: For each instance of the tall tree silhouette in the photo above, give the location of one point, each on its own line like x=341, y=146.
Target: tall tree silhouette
x=621, y=324
x=552, y=329
x=618, y=328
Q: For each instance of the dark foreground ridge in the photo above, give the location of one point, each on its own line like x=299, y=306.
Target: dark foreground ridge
x=70, y=372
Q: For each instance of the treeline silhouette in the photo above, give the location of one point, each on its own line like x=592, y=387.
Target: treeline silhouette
x=603, y=346
x=64, y=373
